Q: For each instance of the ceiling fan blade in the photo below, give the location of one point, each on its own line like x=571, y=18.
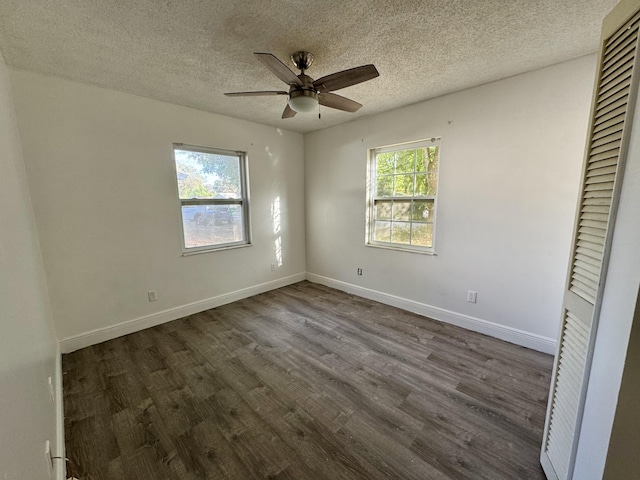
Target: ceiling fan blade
x=288, y=112
x=255, y=94
x=336, y=101
x=278, y=68
x=346, y=78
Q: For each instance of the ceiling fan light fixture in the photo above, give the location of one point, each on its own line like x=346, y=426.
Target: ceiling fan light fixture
x=303, y=101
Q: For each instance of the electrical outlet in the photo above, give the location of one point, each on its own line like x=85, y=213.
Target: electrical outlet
x=273, y=267
x=360, y=271
x=153, y=296
x=48, y=457
x=52, y=391
x=472, y=296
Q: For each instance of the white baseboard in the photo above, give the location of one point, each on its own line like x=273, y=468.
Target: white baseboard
x=100, y=335
x=503, y=332
x=60, y=464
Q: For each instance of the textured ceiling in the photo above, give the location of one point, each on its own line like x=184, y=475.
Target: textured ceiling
x=190, y=52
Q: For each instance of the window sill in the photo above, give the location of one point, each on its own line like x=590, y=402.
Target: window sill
x=188, y=253
x=402, y=249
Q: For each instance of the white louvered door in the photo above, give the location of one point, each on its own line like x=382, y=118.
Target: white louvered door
x=614, y=99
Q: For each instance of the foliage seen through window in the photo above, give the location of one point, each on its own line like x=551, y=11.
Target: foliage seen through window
x=404, y=187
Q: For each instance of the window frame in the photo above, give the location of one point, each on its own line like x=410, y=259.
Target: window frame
x=243, y=200
x=372, y=199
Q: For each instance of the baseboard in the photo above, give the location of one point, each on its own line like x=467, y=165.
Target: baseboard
x=100, y=335
x=509, y=334
x=60, y=463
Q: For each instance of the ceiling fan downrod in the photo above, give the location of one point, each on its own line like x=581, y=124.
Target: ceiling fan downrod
x=302, y=60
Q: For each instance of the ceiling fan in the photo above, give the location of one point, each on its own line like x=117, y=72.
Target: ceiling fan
x=305, y=93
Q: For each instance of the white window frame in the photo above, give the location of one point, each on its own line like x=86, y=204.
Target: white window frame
x=372, y=198
x=243, y=200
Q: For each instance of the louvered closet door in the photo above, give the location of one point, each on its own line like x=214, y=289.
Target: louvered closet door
x=606, y=149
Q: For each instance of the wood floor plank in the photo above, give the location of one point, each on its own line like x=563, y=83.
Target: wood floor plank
x=91, y=445
x=460, y=428
x=385, y=459
x=306, y=383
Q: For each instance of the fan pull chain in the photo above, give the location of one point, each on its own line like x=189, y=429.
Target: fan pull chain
x=319, y=112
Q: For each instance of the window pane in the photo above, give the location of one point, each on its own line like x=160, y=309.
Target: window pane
x=404, y=186
x=383, y=210
x=401, y=232
x=422, y=234
x=382, y=232
x=426, y=184
x=421, y=160
x=405, y=161
x=432, y=153
x=385, y=163
x=423, y=210
x=207, y=175
x=421, y=184
x=206, y=225
x=384, y=187
x=427, y=159
x=401, y=211
x=432, y=183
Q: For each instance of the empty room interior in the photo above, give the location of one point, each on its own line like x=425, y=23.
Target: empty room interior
x=425, y=267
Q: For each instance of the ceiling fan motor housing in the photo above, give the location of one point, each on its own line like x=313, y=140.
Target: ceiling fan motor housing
x=303, y=99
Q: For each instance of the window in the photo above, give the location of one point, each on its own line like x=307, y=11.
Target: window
x=403, y=187
x=212, y=188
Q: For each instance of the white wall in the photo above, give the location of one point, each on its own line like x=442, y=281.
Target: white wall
x=511, y=157
x=27, y=341
x=623, y=460
x=100, y=167
x=616, y=319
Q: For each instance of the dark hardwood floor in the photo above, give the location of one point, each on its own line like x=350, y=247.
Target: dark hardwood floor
x=305, y=382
